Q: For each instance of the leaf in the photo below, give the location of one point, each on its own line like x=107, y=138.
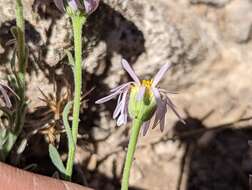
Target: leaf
x=26, y=54
x=70, y=58
x=13, y=61
x=71, y=61
x=7, y=112
x=14, y=32
x=31, y=167
x=3, y=137
x=66, y=124
x=56, y=160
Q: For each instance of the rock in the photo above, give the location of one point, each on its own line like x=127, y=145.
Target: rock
x=1, y=50
x=218, y=3
x=208, y=46
x=239, y=20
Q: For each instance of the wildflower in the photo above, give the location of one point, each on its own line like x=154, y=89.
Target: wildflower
x=88, y=6
x=142, y=100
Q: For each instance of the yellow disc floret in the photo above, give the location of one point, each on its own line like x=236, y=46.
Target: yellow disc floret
x=147, y=83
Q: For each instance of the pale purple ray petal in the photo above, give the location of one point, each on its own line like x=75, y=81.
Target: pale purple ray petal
x=107, y=98
x=160, y=113
x=121, y=109
x=121, y=87
x=167, y=91
x=124, y=100
x=125, y=117
x=119, y=98
x=160, y=106
x=117, y=110
x=131, y=72
x=90, y=5
x=140, y=94
x=160, y=74
x=145, y=127
x=122, y=120
x=168, y=100
x=156, y=94
x=124, y=104
x=73, y=4
x=60, y=4
x=173, y=108
x=6, y=97
x=162, y=123
x=12, y=91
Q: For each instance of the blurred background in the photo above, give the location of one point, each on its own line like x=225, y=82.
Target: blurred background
x=209, y=44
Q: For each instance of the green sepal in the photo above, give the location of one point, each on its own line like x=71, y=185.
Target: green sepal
x=144, y=109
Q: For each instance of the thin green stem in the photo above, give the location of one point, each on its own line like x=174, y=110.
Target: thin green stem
x=20, y=113
x=77, y=22
x=21, y=50
x=22, y=62
x=130, y=153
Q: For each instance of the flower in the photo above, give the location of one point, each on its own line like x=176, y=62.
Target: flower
x=141, y=100
x=89, y=6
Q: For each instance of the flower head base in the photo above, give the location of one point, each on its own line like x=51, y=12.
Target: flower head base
x=142, y=108
x=73, y=6
x=142, y=100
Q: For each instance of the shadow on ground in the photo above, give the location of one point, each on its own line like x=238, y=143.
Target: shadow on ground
x=215, y=158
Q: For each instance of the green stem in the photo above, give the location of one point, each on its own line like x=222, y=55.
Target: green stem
x=22, y=62
x=21, y=86
x=130, y=153
x=77, y=21
x=21, y=50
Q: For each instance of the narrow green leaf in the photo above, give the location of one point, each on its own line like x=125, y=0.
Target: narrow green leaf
x=3, y=137
x=71, y=61
x=13, y=61
x=70, y=58
x=14, y=32
x=7, y=112
x=66, y=124
x=56, y=160
x=31, y=167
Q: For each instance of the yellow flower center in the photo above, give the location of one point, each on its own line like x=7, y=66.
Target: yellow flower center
x=147, y=83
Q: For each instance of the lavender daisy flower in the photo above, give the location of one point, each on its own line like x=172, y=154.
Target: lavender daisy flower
x=89, y=6
x=141, y=100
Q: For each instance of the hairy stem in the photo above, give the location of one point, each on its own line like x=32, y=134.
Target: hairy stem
x=130, y=153
x=77, y=21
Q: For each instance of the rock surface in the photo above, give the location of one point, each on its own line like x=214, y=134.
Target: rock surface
x=209, y=44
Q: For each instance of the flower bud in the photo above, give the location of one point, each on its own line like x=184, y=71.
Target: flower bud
x=71, y=6
x=91, y=5
x=143, y=108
